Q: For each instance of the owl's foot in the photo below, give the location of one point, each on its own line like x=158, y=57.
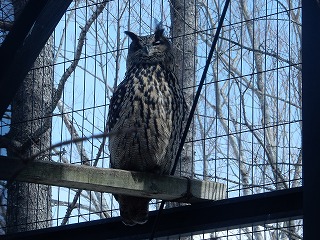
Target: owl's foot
x=132, y=222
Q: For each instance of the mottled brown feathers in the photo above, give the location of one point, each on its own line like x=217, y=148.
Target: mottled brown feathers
x=150, y=101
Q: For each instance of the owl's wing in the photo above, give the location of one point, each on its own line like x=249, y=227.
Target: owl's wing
x=116, y=103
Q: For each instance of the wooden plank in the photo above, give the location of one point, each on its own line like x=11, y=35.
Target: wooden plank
x=112, y=180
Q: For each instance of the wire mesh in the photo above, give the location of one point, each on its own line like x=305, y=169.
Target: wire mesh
x=279, y=230
x=246, y=131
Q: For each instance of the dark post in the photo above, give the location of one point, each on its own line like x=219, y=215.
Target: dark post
x=311, y=116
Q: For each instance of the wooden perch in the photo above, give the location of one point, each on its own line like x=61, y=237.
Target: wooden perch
x=112, y=180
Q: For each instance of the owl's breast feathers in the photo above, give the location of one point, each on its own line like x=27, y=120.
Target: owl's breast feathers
x=150, y=105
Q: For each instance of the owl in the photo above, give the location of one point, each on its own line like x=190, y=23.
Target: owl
x=146, y=115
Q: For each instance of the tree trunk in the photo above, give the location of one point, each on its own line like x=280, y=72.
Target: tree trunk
x=183, y=21
x=29, y=205
x=183, y=18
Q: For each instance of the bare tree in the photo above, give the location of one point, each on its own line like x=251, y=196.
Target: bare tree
x=256, y=105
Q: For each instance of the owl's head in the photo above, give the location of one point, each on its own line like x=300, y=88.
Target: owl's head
x=152, y=49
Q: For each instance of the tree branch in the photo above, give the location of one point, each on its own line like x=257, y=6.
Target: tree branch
x=71, y=68
x=74, y=135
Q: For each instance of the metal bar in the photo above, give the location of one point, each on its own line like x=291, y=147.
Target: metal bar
x=311, y=116
x=210, y=216
x=24, y=43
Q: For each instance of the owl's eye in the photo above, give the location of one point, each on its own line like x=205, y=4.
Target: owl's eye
x=157, y=42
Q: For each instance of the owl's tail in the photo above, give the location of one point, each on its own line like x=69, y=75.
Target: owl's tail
x=133, y=210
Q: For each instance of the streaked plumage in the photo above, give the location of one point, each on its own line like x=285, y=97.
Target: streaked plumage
x=149, y=104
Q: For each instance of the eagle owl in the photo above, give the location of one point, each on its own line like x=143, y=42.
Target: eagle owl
x=146, y=113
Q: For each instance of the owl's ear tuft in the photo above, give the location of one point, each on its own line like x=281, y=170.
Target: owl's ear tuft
x=158, y=33
x=159, y=25
x=132, y=35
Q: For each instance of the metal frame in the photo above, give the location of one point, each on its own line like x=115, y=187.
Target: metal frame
x=202, y=217
x=24, y=42
x=311, y=116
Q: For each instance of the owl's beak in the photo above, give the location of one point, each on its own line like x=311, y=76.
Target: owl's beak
x=146, y=49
